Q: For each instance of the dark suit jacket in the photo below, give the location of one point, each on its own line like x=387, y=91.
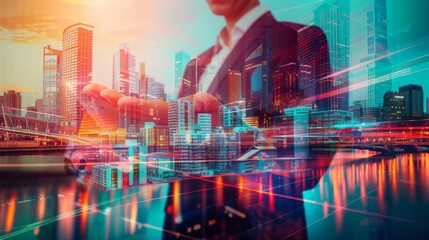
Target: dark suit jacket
x=272, y=44
x=282, y=65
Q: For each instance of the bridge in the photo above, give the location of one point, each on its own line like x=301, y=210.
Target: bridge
x=55, y=136
x=390, y=148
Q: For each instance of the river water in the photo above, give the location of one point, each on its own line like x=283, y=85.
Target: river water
x=357, y=197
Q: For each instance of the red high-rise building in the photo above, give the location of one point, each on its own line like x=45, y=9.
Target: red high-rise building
x=76, y=73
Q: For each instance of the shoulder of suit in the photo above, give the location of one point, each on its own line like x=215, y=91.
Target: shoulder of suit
x=300, y=27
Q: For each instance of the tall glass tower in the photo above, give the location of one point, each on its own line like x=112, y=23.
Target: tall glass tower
x=334, y=20
x=181, y=60
x=51, y=78
x=76, y=73
x=376, y=64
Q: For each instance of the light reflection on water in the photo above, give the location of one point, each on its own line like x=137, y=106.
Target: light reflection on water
x=354, y=198
x=395, y=190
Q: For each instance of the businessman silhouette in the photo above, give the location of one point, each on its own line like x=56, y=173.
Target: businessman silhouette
x=257, y=47
x=280, y=65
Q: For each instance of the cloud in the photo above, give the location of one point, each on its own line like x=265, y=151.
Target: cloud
x=23, y=29
x=24, y=21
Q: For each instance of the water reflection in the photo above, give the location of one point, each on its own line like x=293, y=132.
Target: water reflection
x=370, y=197
x=365, y=198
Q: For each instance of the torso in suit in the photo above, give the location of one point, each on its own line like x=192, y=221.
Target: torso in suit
x=281, y=65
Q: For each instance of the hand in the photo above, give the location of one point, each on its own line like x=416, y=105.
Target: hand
x=108, y=103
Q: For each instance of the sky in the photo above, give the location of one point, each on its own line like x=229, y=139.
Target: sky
x=155, y=30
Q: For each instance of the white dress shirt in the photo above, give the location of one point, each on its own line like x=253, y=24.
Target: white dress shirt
x=236, y=34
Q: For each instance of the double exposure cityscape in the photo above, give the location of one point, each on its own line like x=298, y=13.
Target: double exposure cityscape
x=217, y=119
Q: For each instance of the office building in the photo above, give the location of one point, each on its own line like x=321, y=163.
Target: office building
x=204, y=122
x=151, y=89
x=76, y=73
x=107, y=177
x=155, y=137
x=195, y=69
x=144, y=85
x=39, y=104
x=427, y=105
x=160, y=166
x=181, y=116
x=334, y=20
x=234, y=87
x=51, y=80
x=258, y=85
x=314, y=82
x=12, y=102
x=393, y=106
x=222, y=148
x=232, y=115
x=156, y=91
x=285, y=89
x=181, y=61
x=375, y=70
x=139, y=169
x=125, y=76
x=190, y=153
x=413, y=101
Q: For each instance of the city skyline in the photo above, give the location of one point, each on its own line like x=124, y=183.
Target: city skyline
x=154, y=65
x=305, y=121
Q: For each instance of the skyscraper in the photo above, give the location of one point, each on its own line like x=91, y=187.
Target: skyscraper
x=232, y=115
x=204, y=121
x=125, y=77
x=156, y=138
x=144, y=85
x=427, y=105
x=258, y=85
x=51, y=80
x=150, y=89
x=234, y=86
x=12, y=101
x=188, y=145
x=314, y=82
x=39, y=104
x=181, y=116
x=76, y=73
x=393, y=106
x=194, y=71
x=181, y=60
x=156, y=91
x=285, y=81
x=413, y=100
x=377, y=63
x=333, y=19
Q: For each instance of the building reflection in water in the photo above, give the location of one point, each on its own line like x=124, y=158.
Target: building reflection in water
x=353, y=198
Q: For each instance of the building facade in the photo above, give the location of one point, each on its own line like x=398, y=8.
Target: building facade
x=76, y=73
x=334, y=20
x=413, y=101
x=125, y=77
x=393, y=107
x=51, y=80
x=181, y=60
x=12, y=102
x=375, y=70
